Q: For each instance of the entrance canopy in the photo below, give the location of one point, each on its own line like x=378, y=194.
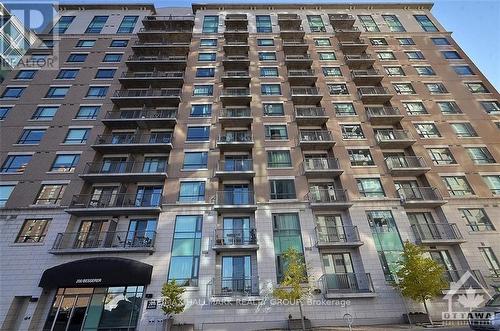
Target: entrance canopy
x=97, y=272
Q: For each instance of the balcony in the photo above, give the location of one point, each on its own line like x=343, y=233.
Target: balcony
x=159, y=62
x=393, y=139
x=347, y=33
x=289, y=21
x=356, y=46
x=316, y=139
x=306, y=95
x=147, y=97
x=235, y=141
x=104, y=242
x=330, y=199
x=322, y=167
x=229, y=289
x=152, y=79
x=420, y=197
x=236, y=34
x=161, y=47
x=374, y=94
x=366, y=77
x=360, y=61
x=341, y=21
x=241, y=201
x=160, y=142
x=383, y=115
x=169, y=22
x=476, y=281
x=303, y=61
x=235, y=168
x=347, y=285
x=437, y=234
x=236, y=78
x=406, y=165
x=143, y=118
x=174, y=35
x=337, y=236
x=227, y=240
x=240, y=47
x=290, y=33
x=235, y=116
x=124, y=171
x=310, y=116
x=236, y=62
x=302, y=77
x=115, y=204
x=236, y=21
x=295, y=46
x=236, y=96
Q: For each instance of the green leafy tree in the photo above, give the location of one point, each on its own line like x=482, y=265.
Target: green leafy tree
x=172, y=299
x=419, y=278
x=294, y=285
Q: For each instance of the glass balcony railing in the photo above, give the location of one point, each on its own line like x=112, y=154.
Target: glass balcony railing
x=234, y=197
x=132, y=138
x=236, y=165
x=315, y=135
x=234, y=286
x=327, y=196
x=142, y=114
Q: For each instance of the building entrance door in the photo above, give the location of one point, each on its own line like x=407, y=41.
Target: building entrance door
x=68, y=311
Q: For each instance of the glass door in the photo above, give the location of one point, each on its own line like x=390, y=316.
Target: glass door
x=148, y=196
x=88, y=234
x=339, y=271
x=114, y=165
x=444, y=259
x=104, y=196
x=67, y=313
x=236, y=194
x=409, y=189
x=236, y=274
x=236, y=231
x=330, y=228
x=141, y=233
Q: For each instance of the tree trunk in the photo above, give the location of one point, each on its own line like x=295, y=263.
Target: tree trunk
x=427, y=312
x=302, y=317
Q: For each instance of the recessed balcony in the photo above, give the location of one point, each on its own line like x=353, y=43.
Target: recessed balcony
x=161, y=47
x=420, y=197
x=406, y=165
x=295, y=46
x=230, y=240
x=337, y=236
x=310, y=116
x=236, y=22
x=347, y=33
x=168, y=22
x=174, y=35
x=236, y=63
x=235, y=201
x=235, y=168
x=322, y=167
x=143, y=118
x=306, y=95
x=292, y=33
x=115, y=204
x=437, y=234
x=382, y=115
x=347, y=285
x=239, y=78
x=147, y=97
x=299, y=77
x=374, y=94
x=235, y=116
x=240, y=47
x=356, y=46
x=359, y=61
x=289, y=21
x=160, y=142
x=231, y=289
x=330, y=199
x=366, y=77
x=104, y=242
x=236, y=96
x=236, y=34
x=316, y=139
x=159, y=62
x=152, y=79
x=342, y=21
x=235, y=141
x=298, y=62
x=393, y=139
x=124, y=171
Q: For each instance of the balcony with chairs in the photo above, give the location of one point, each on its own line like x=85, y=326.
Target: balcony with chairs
x=156, y=62
x=229, y=289
x=227, y=240
x=236, y=96
x=142, y=118
x=437, y=234
x=322, y=167
x=306, y=95
x=406, y=165
x=366, y=77
x=295, y=46
x=235, y=200
x=359, y=61
x=304, y=76
x=133, y=143
x=337, y=236
x=393, y=138
x=383, y=115
x=347, y=33
x=298, y=62
x=420, y=197
x=310, y=115
x=341, y=21
x=235, y=141
x=235, y=116
x=347, y=285
x=374, y=94
x=355, y=46
x=152, y=79
x=147, y=97
x=316, y=139
x=235, y=168
x=236, y=78
x=115, y=204
x=330, y=199
x=124, y=171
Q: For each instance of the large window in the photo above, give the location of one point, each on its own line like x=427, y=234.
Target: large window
x=13, y=92
x=425, y=71
x=88, y=112
x=352, y=131
x=368, y=23
x=57, y=92
x=463, y=70
x=268, y=72
x=77, y=136
x=203, y=90
x=267, y=56
x=316, y=23
x=464, y=130
x=370, y=187
x=5, y=191
x=282, y=189
x=45, y=113
x=33, y=231
x=493, y=182
x=327, y=56
x=491, y=261
x=276, y=132
x=270, y=89
x=195, y=160
x=67, y=74
x=50, y=194
x=441, y=156
x=96, y=24
x=440, y=41
x=476, y=88
x=414, y=108
x=4, y=110
x=386, y=56
x=344, y=109
x=286, y=234
x=77, y=58
x=128, y=24
x=97, y=92
x=360, y=157
x=201, y=110
x=457, y=185
x=208, y=42
x=425, y=23
x=338, y=89
x=448, y=107
x=331, y=71
x=394, y=71
x=62, y=25
x=273, y=109
x=65, y=163
x=15, y=164
x=415, y=55
x=476, y=219
x=31, y=136
x=427, y=130
x=279, y=159
x=480, y=155
x=210, y=24
x=491, y=107
x=198, y=133
x=105, y=73
x=85, y=43
x=207, y=57
x=393, y=23
x=205, y=72
x=264, y=23
x=436, y=88
x=404, y=88
x=451, y=55
x=26, y=74
x=192, y=192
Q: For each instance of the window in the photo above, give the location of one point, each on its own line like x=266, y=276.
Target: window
x=441, y=156
x=118, y=43
x=15, y=164
x=360, y=157
x=97, y=92
x=192, y=192
x=404, y=88
x=425, y=23
x=286, y=234
x=205, y=72
x=368, y=23
x=440, y=41
x=414, y=108
x=31, y=136
x=394, y=71
x=268, y=72
x=270, y=89
x=279, y=159
x=105, y=73
x=186, y=247
x=198, y=133
x=425, y=71
x=5, y=192
x=378, y=41
x=88, y=112
x=463, y=70
x=276, y=132
x=477, y=88
x=415, y=55
x=67, y=74
x=195, y=160
x=76, y=136
x=457, y=185
x=33, y=231
x=96, y=24
x=210, y=24
x=352, y=131
x=386, y=56
x=405, y=41
x=203, y=90
x=273, y=109
x=338, y=89
x=202, y=110
x=265, y=42
x=282, y=189
x=13, y=92
x=208, y=42
x=436, y=88
x=316, y=23
x=62, y=25
x=451, y=55
x=50, y=194
x=393, y=23
x=480, y=155
x=448, y=107
x=128, y=24
x=476, y=219
x=264, y=23
x=77, y=58
x=491, y=107
x=322, y=42
x=370, y=187
x=207, y=57
x=344, y=109
x=332, y=71
x=26, y=74
x=85, y=43
x=57, y=92
x=491, y=261
x=65, y=163
x=493, y=182
x=464, y=130
x=4, y=110
x=427, y=130
x=45, y=113
x=327, y=56
x=267, y=56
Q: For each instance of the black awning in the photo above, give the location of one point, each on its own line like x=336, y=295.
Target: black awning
x=97, y=272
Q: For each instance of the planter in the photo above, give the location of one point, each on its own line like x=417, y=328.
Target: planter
x=296, y=324
x=416, y=318
x=167, y=324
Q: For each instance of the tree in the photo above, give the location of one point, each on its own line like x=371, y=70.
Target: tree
x=294, y=284
x=419, y=278
x=172, y=299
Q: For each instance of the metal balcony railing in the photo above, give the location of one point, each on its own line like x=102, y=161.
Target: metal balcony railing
x=382, y=111
x=327, y=195
x=236, y=43
x=364, y=73
x=236, y=58
x=337, y=234
x=305, y=91
x=315, y=135
x=436, y=231
x=236, y=30
x=234, y=92
x=404, y=162
x=309, y=112
x=391, y=135
x=301, y=73
x=116, y=200
x=105, y=240
x=235, y=237
x=321, y=163
x=347, y=283
x=292, y=29
x=298, y=57
x=234, y=198
x=373, y=90
x=153, y=74
x=355, y=42
x=294, y=42
x=144, y=93
x=475, y=282
x=140, y=43
x=419, y=194
x=233, y=287
x=236, y=137
x=124, y=167
x=349, y=29
x=133, y=138
x=340, y=17
x=236, y=165
x=157, y=58
x=351, y=57
x=283, y=17
x=145, y=113
x=235, y=112
x=236, y=74
x=169, y=18
x=163, y=30
x=236, y=17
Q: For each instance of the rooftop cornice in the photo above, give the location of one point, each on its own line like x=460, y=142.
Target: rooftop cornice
x=110, y=6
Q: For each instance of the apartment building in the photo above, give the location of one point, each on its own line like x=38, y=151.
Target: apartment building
x=197, y=144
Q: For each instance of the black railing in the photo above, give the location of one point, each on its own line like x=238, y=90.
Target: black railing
x=235, y=237
x=116, y=200
x=336, y=234
x=409, y=194
x=436, y=231
x=105, y=240
x=124, y=167
x=133, y=138
x=234, y=287
x=141, y=114
x=321, y=163
x=347, y=283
